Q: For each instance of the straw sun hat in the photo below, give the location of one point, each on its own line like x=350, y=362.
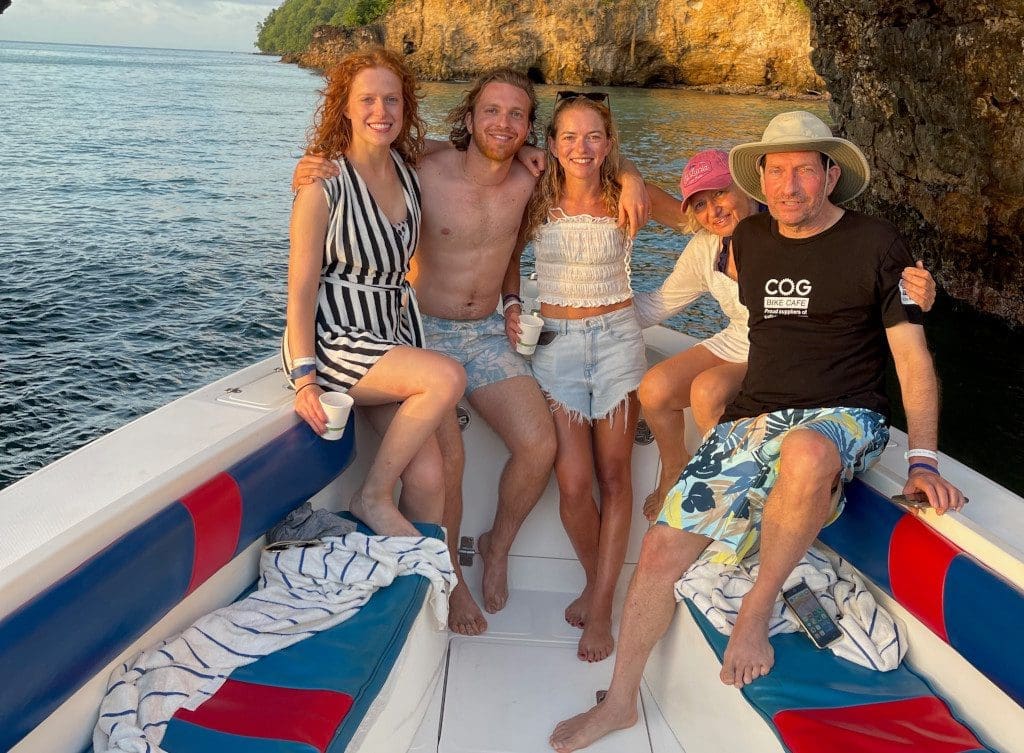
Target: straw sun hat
x=800, y=131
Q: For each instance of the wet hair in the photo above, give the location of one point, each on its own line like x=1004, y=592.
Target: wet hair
x=460, y=135
x=331, y=133
x=549, y=189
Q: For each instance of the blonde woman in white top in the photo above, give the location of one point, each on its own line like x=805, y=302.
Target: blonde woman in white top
x=593, y=356
x=706, y=377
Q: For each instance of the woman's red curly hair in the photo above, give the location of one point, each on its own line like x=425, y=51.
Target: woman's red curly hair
x=331, y=133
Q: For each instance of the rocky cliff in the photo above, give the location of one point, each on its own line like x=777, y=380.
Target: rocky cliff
x=933, y=90
x=732, y=45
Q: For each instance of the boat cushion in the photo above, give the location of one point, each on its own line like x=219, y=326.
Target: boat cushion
x=63, y=636
x=816, y=701
x=313, y=695
x=935, y=580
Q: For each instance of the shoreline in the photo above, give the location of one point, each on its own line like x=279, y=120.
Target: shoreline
x=745, y=90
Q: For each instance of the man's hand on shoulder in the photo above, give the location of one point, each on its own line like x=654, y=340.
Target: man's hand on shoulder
x=942, y=495
x=920, y=286
x=634, y=203
x=534, y=158
x=312, y=168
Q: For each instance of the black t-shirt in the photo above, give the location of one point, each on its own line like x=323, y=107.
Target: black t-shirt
x=819, y=307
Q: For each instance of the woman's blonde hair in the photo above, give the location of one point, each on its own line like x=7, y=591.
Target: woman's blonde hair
x=550, y=187
x=692, y=225
x=331, y=132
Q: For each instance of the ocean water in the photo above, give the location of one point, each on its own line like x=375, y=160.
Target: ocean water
x=144, y=207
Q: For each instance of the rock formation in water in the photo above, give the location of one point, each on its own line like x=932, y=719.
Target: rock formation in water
x=933, y=90
x=730, y=45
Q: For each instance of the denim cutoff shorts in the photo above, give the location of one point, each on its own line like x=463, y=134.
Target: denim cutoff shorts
x=591, y=365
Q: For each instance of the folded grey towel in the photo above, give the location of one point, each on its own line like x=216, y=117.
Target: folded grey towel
x=306, y=524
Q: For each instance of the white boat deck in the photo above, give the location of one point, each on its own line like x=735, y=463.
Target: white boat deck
x=504, y=691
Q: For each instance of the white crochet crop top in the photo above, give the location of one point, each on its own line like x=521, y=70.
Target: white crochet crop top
x=582, y=261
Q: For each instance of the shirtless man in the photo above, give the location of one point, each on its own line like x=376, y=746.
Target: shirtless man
x=474, y=194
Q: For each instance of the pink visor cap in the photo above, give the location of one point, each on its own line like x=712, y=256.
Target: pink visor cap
x=706, y=171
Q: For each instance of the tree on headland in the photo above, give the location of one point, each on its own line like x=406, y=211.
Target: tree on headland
x=289, y=27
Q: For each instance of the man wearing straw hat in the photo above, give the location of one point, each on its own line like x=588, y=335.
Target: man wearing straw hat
x=822, y=287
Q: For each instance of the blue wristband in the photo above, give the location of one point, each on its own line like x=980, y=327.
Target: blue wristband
x=300, y=371
x=926, y=466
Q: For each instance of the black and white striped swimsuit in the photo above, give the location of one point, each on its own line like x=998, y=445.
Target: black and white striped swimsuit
x=365, y=306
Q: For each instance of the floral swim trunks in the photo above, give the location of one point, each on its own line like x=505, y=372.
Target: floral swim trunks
x=479, y=345
x=721, y=493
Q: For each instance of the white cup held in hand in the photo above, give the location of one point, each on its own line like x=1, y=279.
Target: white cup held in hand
x=530, y=327
x=337, y=406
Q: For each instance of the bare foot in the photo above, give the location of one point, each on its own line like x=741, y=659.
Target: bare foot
x=656, y=499
x=464, y=616
x=381, y=516
x=576, y=613
x=597, y=643
x=495, y=580
x=653, y=504
x=749, y=654
x=590, y=726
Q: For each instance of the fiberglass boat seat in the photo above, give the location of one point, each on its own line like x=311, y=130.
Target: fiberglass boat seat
x=308, y=697
x=816, y=701
x=315, y=694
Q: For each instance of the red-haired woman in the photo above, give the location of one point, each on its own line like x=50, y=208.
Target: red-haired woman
x=352, y=321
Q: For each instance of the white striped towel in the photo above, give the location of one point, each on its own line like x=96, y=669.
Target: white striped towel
x=302, y=591
x=871, y=636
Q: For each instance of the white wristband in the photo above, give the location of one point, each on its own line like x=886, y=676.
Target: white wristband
x=930, y=454
x=509, y=304
x=305, y=360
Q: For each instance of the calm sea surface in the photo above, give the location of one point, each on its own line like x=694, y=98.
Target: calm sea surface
x=143, y=239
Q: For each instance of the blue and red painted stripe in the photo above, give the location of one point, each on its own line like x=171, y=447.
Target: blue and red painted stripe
x=935, y=580
x=816, y=701
x=327, y=682
x=62, y=637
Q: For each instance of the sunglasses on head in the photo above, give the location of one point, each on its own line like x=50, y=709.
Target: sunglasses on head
x=592, y=96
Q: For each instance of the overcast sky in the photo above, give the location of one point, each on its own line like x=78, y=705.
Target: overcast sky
x=178, y=24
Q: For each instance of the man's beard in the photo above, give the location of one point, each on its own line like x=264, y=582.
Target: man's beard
x=494, y=151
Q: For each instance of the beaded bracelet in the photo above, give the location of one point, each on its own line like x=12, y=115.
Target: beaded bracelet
x=926, y=466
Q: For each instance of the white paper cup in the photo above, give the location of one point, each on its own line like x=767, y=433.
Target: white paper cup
x=337, y=406
x=530, y=327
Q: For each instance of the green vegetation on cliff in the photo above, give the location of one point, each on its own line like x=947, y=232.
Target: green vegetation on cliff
x=289, y=27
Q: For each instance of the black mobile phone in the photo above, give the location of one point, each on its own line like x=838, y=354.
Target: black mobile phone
x=817, y=623
x=917, y=500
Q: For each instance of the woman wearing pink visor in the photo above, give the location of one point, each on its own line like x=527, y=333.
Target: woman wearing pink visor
x=707, y=376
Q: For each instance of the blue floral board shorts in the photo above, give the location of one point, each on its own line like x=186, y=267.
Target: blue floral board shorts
x=479, y=345
x=721, y=493
x=591, y=365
